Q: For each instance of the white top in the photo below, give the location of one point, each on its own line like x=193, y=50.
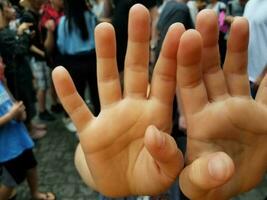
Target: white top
x=192, y=5
x=256, y=13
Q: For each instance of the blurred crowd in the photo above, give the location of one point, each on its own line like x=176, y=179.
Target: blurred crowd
x=38, y=35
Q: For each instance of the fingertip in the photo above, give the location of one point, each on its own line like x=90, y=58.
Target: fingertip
x=239, y=32
x=220, y=167
x=104, y=29
x=57, y=71
x=207, y=25
x=190, y=48
x=177, y=26
x=154, y=138
x=105, y=40
x=137, y=8
x=206, y=16
x=139, y=24
x=171, y=41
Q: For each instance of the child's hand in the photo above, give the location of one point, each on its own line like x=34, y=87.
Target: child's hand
x=22, y=117
x=226, y=129
x=50, y=25
x=123, y=155
x=23, y=27
x=17, y=110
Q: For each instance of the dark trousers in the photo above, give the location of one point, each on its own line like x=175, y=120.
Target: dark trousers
x=82, y=70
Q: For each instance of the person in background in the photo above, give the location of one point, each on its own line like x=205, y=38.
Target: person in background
x=194, y=7
x=255, y=12
x=41, y=71
x=97, y=7
x=14, y=48
x=51, y=13
x=17, y=160
x=235, y=8
x=75, y=45
x=172, y=11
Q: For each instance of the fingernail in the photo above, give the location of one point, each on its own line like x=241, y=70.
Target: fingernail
x=160, y=139
x=217, y=167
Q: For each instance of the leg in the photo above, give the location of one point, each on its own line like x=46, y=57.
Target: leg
x=32, y=179
x=41, y=96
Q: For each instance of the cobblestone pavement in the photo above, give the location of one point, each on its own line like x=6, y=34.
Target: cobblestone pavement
x=57, y=172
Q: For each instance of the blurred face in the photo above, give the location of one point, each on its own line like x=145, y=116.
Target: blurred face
x=8, y=12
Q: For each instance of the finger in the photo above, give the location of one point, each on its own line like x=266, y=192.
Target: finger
x=191, y=86
x=261, y=94
x=235, y=66
x=206, y=173
x=137, y=55
x=162, y=147
x=20, y=103
x=70, y=99
x=22, y=107
x=164, y=76
x=107, y=73
x=207, y=25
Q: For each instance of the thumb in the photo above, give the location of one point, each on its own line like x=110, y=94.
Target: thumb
x=162, y=147
x=206, y=173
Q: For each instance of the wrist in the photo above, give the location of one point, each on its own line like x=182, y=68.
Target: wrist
x=9, y=116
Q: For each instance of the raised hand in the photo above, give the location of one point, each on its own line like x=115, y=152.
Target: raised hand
x=123, y=152
x=227, y=129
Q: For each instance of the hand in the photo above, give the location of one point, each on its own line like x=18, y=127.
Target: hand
x=22, y=116
x=23, y=27
x=226, y=128
x=50, y=25
x=123, y=156
x=17, y=110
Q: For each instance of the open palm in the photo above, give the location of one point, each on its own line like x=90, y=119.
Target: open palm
x=123, y=155
x=227, y=131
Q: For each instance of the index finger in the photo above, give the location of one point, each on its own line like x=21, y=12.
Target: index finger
x=70, y=99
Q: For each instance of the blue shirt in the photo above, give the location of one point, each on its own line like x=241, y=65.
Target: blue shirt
x=14, y=137
x=70, y=42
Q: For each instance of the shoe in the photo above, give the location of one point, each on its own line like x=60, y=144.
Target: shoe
x=46, y=116
x=37, y=134
x=57, y=108
x=69, y=125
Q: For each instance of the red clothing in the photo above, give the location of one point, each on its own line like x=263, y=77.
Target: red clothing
x=1, y=69
x=48, y=12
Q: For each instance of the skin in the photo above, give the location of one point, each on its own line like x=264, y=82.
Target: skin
x=122, y=147
x=129, y=141
x=224, y=123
